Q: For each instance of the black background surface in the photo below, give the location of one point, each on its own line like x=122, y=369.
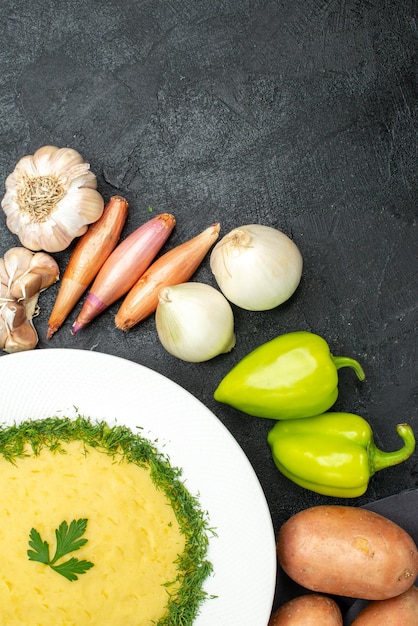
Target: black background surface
x=300, y=115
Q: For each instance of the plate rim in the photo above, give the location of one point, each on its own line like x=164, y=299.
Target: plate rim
x=174, y=389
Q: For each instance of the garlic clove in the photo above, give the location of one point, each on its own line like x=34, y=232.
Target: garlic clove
x=4, y=276
x=80, y=176
x=79, y=201
x=28, y=273
x=42, y=159
x=4, y=293
x=35, y=236
x=66, y=158
x=26, y=286
x=31, y=306
x=15, y=219
x=16, y=262
x=26, y=165
x=49, y=236
x=89, y=181
x=4, y=332
x=46, y=267
x=14, y=314
x=23, y=338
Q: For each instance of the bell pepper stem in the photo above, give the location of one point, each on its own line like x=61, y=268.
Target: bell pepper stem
x=345, y=361
x=379, y=459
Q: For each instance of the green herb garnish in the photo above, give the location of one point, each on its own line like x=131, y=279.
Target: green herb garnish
x=31, y=437
x=68, y=540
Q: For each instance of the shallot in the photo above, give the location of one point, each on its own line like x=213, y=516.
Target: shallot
x=88, y=256
x=174, y=267
x=125, y=266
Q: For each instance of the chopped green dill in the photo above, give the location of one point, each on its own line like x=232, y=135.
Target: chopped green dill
x=31, y=437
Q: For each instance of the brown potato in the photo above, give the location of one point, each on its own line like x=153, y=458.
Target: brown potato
x=399, y=611
x=347, y=551
x=308, y=610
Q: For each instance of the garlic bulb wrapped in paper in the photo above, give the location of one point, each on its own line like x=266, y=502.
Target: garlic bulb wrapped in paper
x=51, y=198
x=194, y=322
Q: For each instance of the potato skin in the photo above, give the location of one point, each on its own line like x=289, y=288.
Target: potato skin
x=347, y=551
x=308, y=610
x=399, y=611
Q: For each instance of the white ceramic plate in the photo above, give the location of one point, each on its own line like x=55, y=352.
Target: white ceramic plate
x=42, y=383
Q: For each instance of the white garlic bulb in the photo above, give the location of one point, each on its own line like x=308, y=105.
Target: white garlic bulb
x=194, y=322
x=51, y=198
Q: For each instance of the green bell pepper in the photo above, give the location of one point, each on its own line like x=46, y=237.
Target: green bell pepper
x=333, y=454
x=291, y=376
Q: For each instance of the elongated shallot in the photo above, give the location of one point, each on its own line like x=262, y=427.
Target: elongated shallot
x=125, y=266
x=88, y=256
x=174, y=267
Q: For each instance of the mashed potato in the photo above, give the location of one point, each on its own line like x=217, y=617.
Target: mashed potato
x=133, y=534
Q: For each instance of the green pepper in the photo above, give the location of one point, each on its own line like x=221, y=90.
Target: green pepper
x=291, y=376
x=333, y=454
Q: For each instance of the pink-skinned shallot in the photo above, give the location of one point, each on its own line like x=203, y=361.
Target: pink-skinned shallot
x=88, y=256
x=172, y=268
x=125, y=266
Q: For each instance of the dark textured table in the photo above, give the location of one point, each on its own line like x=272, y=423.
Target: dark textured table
x=299, y=115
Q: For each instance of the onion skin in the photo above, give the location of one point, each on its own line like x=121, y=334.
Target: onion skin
x=124, y=267
x=89, y=254
x=256, y=267
x=174, y=267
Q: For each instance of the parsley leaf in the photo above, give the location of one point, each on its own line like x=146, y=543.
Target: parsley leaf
x=40, y=550
x=68, y=540
x=72, y=567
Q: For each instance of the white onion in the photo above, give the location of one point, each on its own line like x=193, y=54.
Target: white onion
x=194, y=322
x=256, y=267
